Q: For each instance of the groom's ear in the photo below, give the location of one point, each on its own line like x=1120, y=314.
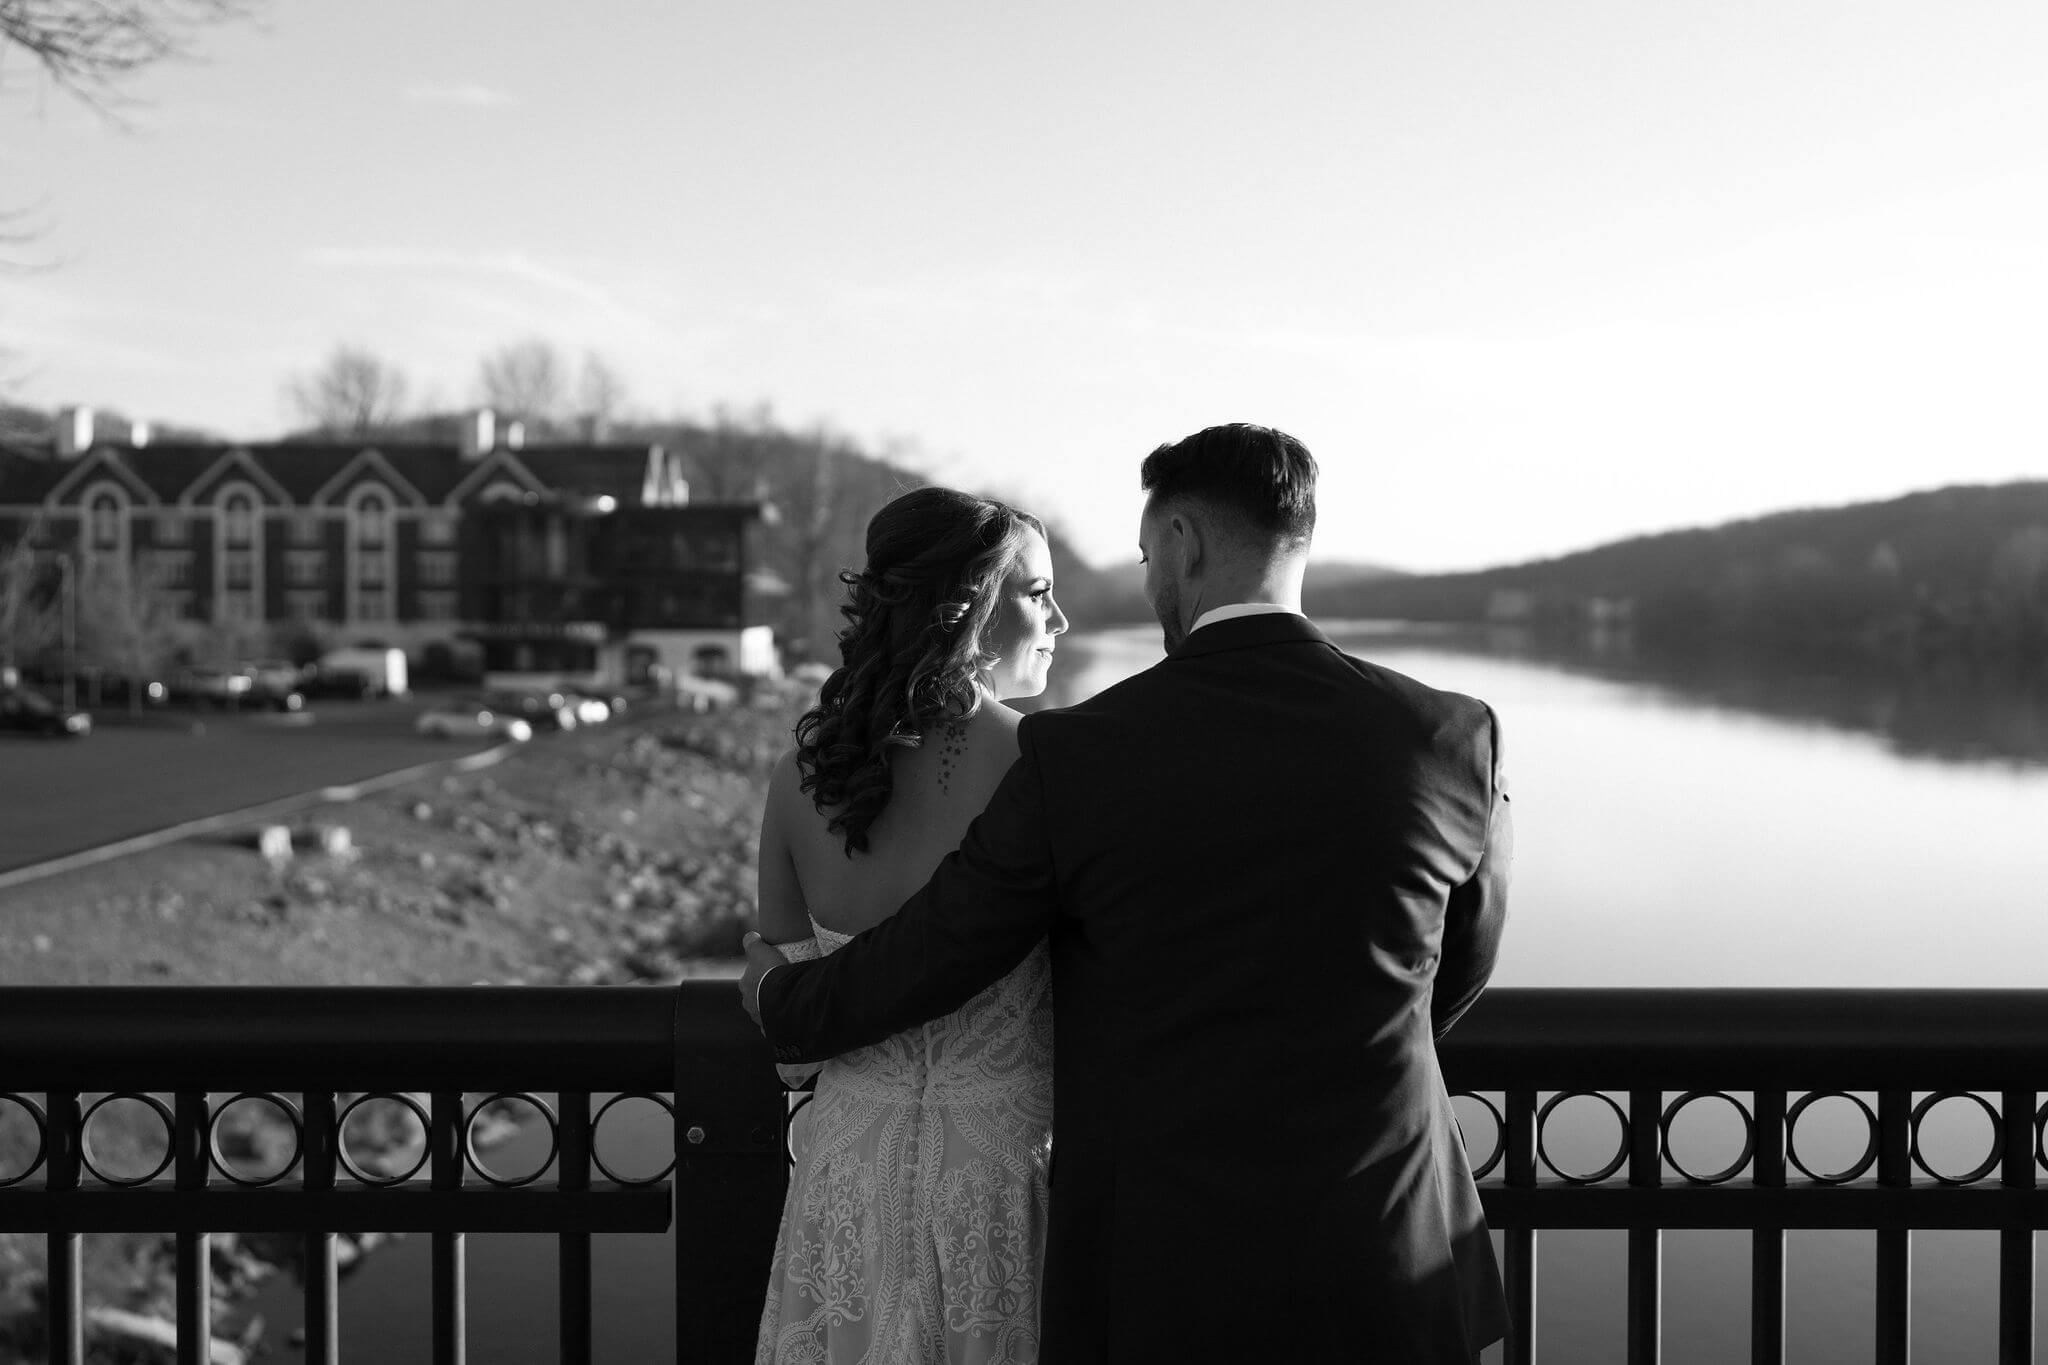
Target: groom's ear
x=1187, y=537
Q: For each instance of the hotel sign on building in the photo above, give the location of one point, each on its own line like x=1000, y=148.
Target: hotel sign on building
x=587, y=559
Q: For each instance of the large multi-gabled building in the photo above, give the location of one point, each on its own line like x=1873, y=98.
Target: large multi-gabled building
x=411, y=545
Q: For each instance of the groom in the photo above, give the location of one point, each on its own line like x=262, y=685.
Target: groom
x=1272, y=875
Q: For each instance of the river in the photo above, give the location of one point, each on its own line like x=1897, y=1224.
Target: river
x=1677, y=824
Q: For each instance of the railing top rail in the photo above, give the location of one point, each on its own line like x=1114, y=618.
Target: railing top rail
x=162, y=1038
x=1740, y=1039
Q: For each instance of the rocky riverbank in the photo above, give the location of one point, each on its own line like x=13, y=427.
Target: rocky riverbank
x=617, y=854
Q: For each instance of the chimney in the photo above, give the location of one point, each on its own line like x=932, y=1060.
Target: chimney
x=74, y=432
x=515, y=435
x=479, y=433
x=138, y=434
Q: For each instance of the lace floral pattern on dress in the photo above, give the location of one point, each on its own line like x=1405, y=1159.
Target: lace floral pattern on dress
x=914, y=1228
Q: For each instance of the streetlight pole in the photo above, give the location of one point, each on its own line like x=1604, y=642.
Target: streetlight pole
x=69, y=587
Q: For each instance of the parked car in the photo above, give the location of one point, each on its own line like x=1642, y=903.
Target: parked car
x=457, y=720
x=615, y=699
x=383, y=666
x=346, y=683
x=273, y=675
x=551, y=706
x=210, y=686
x=21, y=709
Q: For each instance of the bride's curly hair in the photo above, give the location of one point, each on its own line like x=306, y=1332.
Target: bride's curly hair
x=911, y=648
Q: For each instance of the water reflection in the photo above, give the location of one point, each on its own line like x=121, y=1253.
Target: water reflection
x=1955, y=709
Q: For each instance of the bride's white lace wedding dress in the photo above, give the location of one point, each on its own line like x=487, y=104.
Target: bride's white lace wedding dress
x=914, y=1229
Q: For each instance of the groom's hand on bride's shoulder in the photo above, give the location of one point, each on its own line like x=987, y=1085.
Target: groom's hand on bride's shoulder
x=762, y=958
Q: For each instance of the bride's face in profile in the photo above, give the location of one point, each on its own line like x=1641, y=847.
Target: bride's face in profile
x=1025, y=623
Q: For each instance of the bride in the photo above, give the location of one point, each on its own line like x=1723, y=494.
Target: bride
x=914, y=1228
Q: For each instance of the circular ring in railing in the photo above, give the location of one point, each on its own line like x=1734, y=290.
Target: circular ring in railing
x=541, y=1107
x=1620, y=1155
x=1989, y=1164
x=607, y=1172
x=348, y=1163
x=1862, y=1163
x=1720, y=1177
x=163, y=1112
x=796, y=1100
x=283, y=1106
x=1500, y=1133
x=42, y=1123
x=2041, y=1135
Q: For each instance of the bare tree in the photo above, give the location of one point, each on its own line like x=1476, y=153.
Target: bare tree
x=600, y=394
x=90, y=47
x=526, y=379
x=354, y=393
x=28, y=619
x=127, y=618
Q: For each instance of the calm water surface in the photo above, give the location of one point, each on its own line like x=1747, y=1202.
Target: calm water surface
x=1668, y=834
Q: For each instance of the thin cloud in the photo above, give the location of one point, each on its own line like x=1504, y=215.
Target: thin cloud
x=465, y=95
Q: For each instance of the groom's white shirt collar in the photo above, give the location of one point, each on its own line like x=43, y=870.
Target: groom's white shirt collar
x=1236, y=609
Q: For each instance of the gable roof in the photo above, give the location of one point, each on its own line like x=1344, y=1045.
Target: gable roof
x=236, y=460
x=368, y=464
x=620, y=471
x=101, y=462
x=500, y=463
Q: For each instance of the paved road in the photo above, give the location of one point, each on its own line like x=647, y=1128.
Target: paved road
x=58, y=796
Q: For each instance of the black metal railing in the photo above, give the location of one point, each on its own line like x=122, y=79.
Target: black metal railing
x=208, y=1049
x=1520, y=1056
x=1772, y=1055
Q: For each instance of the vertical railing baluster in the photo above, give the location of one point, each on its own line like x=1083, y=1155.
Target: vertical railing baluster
x=322, y=1297
x=62, y=1307
x=1767, y=1243
x=1894, y=1245
x=1645, y=1245
x=195, y=1249
x=2016, y=1245
x=572, y=1174
x=1520, y=1243
x=445, y=1140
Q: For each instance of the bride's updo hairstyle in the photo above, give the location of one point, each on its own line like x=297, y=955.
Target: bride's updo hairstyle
x=916, y=615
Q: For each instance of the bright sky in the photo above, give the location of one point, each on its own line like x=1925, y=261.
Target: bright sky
x=1525, y=276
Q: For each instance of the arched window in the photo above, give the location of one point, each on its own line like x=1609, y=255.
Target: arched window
x=238, y=511
x=104, y=518
x=373, y=517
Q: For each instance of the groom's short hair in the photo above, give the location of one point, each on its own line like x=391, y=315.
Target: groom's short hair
x=1262, y=478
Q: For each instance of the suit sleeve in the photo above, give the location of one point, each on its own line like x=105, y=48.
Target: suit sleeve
x=1477, y=910
x=988, y=904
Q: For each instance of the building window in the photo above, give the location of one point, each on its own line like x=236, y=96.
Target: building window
x=438, y=606
x=174, y=567
x=437, y=568
x=306, y=527
x=373, y=604
x=239, y=515
x=170, y=528
x=437, y=528
x=238, y=570
x=373, y=518
x=305, y=568
x=306, y=605
x=180, y=603
x=238, y=604
x=103, y=516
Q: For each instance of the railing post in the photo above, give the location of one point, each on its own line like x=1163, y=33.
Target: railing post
x=445, y=1140
x=730, y=1177
x=1520, y=1136
x=1645, y=1245
x=572, y=1175
x=62, y=1305
x=195, y=1249
x=2016, y=1245
x=1767, y=1241
x=1894, y=1245
x=323, y=1306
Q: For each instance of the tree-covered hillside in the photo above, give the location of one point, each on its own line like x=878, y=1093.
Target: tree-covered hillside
x=1962, y=568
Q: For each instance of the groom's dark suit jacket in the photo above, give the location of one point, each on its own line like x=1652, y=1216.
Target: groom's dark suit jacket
x=1271, y=874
